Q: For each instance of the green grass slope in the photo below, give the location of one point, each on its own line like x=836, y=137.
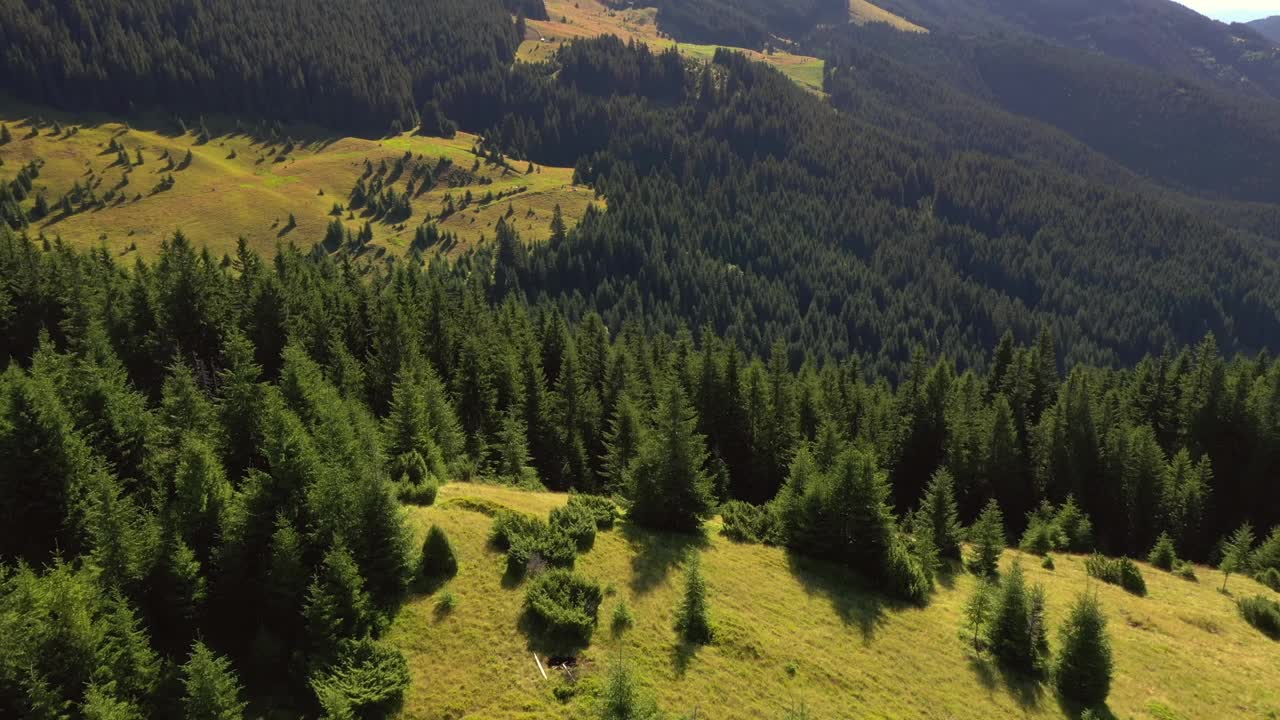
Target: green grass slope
x=241, y=186
x=792, y=632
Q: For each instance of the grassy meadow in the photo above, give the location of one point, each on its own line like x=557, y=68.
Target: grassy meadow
x=241, y=185
x=590, y=18
x=792, y=632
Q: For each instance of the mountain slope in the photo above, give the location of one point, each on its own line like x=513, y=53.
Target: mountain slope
x=1268, y=27
x=1180, y=652
x=1158, y=34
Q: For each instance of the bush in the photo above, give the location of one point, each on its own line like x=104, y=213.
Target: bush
x=744, y=522
x=576, y=521
x=423, y=494
x=367, y=679
x=1185, y=570
x=438, y=559
x=1038, y=539
x=509, y=526
x=564, y=606
x=446, y=603
x=1163, y=555
x=1116, y=571
x=1047, y=563
x=601, y=509
x=1271, y=578
x=1261, y=613
x=623, y=620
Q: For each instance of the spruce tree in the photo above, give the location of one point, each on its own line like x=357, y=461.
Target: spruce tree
x=211, y=690
x=987, y=536
x=693, y=621
x=939, y=507
x=1084, y=666
x=337, y=607
x=622, y=444
x=978, y=609
x=670, y=487
x=1237, y=554
x=5, y=136
x=438, y=560
x=1014, y=637
x=1164, y=555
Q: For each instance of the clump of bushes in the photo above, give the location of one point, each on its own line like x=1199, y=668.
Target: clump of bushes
x=1116, y=571
x=744, y=522
x=529, y=541
x=576, y=521
x=424, y=494
x=1064, y=529
x=601, y=509
x=564, y=606
x=1262, y=613
x=1271, y=578
x=1185, y=570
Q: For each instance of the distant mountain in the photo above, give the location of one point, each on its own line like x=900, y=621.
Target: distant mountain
x=1158, y=34
x=1268, y=27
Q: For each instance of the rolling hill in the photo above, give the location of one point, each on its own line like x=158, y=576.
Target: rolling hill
x=797, y=633
x=247, y=184
x=1157, y=34
x=1268, y=27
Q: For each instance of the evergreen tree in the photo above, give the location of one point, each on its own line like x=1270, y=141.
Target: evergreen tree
x=977, y=610
x=987, y=536
x=1016, y=632
x=670, y=487
x=336, y=607
x=939, y=507
x=693, y=620
x=1164, y=555
x=1084, y=667
x=438, y=560
x=211, y=690
x=6, y=137
x=1237, y=553
x=622, y=444
x=558, y=228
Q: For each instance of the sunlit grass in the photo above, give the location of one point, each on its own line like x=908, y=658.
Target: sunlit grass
x=1181, y=651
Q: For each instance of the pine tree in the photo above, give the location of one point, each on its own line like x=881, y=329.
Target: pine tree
x=939, y=507
x=622, y=443
x=978, y=609
x=1016, y=633
x=1164, y=555
x=693, y=621
x=6, y=137
x=987, y=536
x=1084, y=666
x=438, y=560
x=337, y=607
x=558, y=229
x=1237, y=553
x=670, y=487
x=211, y=690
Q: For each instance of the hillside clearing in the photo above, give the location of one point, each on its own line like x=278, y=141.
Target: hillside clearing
x=1180, y=652
x=862, y=12
x=589, y=18
x=238, y=185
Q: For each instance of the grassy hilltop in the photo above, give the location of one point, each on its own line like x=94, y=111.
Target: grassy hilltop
x=792, y=632
x=243, y=185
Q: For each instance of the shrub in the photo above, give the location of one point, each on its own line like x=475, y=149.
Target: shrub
x=1271, y=578
x=623, y=620
x=1047, y=563
x=577, y=522
x=1038, y=539
x=1116, y=571
x=367, y=679
x=564, y=606
x=601, y=509
x=438, y=559
x=1262, y=613
x=1185, y=570
x=423, y=494
x=509, y=525
x=446, y=603
x=743, y=522
x=1163, y=555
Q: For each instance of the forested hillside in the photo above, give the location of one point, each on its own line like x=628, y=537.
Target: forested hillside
x=1159, y=34
x=1268, y=28
x=358, y=67
x=1184, y=134
x=744, y=23
x=209, y=457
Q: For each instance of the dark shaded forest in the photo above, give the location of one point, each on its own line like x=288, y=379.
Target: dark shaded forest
x=355, y=67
